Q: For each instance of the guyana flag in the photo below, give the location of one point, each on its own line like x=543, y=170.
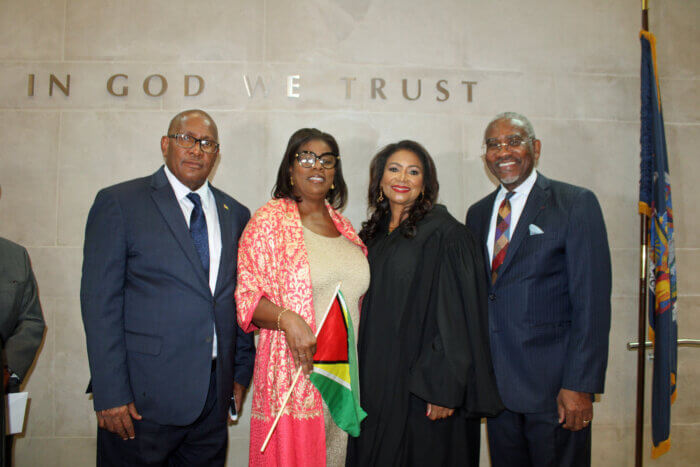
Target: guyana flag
x=335, y=367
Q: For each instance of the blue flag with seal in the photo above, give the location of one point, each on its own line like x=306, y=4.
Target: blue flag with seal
x=655, y=202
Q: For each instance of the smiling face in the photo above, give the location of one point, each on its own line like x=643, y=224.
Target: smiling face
x=190, y=166
x=402, y=180
x=313, y=183
x=511, y=165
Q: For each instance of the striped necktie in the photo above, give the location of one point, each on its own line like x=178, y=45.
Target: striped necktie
x=500, y=245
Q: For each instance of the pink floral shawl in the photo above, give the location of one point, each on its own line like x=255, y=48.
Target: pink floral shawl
x=272, y=262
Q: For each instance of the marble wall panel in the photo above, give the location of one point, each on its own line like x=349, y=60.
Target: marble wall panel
x=625, y=268
x=237, y=455
x=592, y=96
x=164, y=31
x=28, y=177
x=617, y=404
x=57, y=271
x=595, y=36
x=99, y=149
x=688, y=264
x=674, y=23
x=74, y=452
x=32, y=29
x=73, y=408
x=678, y=98
x=392, y=32
x=613, y=445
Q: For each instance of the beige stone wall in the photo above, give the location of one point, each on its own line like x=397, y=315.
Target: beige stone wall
x=572, y=66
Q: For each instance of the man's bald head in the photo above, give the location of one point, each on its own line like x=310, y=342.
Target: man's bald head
x=178, y=121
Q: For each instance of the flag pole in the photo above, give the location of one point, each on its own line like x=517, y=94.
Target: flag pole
x=642, y=319
x=296, y=377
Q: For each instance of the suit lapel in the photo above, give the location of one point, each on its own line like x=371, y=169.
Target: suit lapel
x=164, y=197
x=226, y=226
x=534, y=204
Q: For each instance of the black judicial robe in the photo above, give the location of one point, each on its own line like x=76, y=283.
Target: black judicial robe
x=423, y=337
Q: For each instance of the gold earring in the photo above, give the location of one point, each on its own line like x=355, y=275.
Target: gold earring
x=422, y=193
x=291, y=180
x=332, y=186
x=380, y=198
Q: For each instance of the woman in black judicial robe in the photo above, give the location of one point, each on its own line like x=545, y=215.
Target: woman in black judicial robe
x=426, y=376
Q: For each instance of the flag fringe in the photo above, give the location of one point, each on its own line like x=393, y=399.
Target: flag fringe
x=661, y=449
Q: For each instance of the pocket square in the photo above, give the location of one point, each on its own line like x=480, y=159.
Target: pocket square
x=534, y=230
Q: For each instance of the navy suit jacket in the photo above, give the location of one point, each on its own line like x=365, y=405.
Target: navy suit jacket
x=147, y=307
x=549, y=309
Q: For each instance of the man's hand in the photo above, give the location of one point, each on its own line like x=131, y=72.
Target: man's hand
x=238, y=391
x=576, y=408
x=436, y=412
x=118, y=420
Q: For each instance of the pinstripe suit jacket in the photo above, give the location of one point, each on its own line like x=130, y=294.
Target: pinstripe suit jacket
x=549, y=309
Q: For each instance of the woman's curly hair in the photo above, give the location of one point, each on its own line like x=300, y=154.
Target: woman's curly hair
x=378, y=210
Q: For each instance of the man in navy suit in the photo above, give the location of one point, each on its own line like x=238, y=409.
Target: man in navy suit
x=159, y=272
x=548, y=266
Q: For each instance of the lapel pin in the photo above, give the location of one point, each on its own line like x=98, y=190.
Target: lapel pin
x=225, y=207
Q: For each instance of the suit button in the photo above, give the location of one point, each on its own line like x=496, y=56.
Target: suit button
x=208, y=340
x=492, y=296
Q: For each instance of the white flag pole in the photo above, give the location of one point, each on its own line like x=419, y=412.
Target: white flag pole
x=296, y=376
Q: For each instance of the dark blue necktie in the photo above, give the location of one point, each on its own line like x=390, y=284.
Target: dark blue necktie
x=198, y=230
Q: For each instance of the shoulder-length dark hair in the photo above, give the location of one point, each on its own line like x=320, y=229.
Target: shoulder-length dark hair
x=378, y=210
x=337, y=196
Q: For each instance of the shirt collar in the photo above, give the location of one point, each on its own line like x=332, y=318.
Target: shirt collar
x=523, y=189
x=181, y=191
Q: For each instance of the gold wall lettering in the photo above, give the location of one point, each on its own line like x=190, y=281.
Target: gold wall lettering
x=200, y=86
x=110, y=86
x=156, y=85
x=147, y=85
x=65, y=88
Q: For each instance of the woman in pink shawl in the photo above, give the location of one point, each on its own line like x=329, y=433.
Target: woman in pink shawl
x=291, y=256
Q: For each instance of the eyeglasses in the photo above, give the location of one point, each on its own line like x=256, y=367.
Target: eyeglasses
x=308, y=159
x=188, y=142
x=492, y=145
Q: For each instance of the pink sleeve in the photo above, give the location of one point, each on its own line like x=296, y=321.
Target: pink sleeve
x=254, y=261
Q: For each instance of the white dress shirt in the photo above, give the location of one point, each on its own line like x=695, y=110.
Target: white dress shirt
x=213, y=229
x=517, y=204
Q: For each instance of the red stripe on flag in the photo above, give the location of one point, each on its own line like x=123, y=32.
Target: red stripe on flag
x=332, y=341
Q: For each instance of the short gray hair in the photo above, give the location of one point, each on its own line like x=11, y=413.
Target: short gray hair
x=514, y=116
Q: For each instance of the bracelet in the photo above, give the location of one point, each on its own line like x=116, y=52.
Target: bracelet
x=279, y=316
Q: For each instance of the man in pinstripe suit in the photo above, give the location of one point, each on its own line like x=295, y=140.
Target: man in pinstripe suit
x=548, y=264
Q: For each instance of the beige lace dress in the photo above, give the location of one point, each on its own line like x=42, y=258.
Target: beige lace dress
x=334, y=259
